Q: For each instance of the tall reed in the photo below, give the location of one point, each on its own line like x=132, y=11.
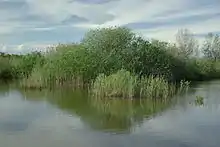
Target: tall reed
x=119, y=84
x=155, y=88
x=124, y=84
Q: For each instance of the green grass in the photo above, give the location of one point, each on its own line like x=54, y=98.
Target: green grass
x=35, y=80
x=125, y=85
x=156, y=88
x=119, y=84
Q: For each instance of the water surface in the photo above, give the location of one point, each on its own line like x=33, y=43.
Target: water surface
x=69, y=118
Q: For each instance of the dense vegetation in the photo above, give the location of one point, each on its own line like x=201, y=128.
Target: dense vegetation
x=119, y=62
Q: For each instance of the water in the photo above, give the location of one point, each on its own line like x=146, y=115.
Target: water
x=65, y=118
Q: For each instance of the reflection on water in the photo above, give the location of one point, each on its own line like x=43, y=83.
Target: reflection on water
x=115, y=115
x=67, y=118
x=122, y=115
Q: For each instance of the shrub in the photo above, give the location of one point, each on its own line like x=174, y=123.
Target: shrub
x=206, y=68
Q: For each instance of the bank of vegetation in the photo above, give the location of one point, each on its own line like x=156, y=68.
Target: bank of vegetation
x=115, y=62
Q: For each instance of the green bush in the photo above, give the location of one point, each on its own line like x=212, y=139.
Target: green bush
x=116, y=48
x=108, y=49
x=65, y=64
x=206, y=68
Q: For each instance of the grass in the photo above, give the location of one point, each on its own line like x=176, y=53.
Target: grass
x=183, y=86
x=119, y=84
x=124, y=84
x=155, y=88
x=35, y=80
x=199, y=100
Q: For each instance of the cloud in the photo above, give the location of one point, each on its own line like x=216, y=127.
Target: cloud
x=3, y=48
x=25, y=48
x=167, y=33
x=161, y=20
x=20, y=47
x=56, y=21
x=127, y=12
x=60, y=10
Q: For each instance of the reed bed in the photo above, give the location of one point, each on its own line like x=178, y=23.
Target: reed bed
x=119, y=84
x=156, y=88
x=125, y=85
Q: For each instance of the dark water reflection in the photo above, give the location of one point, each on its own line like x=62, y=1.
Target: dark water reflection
x=66, y=118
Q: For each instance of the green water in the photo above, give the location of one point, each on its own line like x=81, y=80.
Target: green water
x=70, y=118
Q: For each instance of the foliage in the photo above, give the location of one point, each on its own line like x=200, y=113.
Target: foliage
x=115, y=48
x=6, y=71
x=186, y=43
x=184, y=86
x=28, y=62
x=147, y=58
x=199, y=100
x=65, y=64
x=119, y=84
x=35, y=80
x=108, y=49
x=124, y=84
x=211, y=47
x=103, y=53
x=155, y=88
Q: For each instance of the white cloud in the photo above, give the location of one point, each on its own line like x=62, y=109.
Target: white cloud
x=25, y=48
x=43, y=28
x=167, y=33
x=113, y=13
x=125, y=11
x=6, y=30
x=129, y=11
x=141, y=10
x=7, y=26
x=20, y=47
x=59, y=10
x=3, y=48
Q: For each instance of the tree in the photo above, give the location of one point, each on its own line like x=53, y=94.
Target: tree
x=211, y=47
x=108, y=39
x=186, y=43
x=108, y=47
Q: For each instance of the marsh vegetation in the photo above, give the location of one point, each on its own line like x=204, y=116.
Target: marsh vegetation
x=115, y=62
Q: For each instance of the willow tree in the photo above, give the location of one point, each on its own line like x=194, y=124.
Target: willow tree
x=187, y=45
x=107, y=48
x=211, y=46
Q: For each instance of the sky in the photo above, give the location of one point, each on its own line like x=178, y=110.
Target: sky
x=27, y=25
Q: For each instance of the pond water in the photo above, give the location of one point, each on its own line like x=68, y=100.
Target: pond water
x=69, y=118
